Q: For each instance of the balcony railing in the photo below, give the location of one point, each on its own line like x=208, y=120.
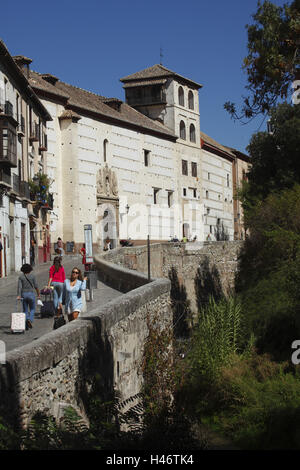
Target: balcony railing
x=8, y=109
x=8, y=142
x=44, y=145
x=5, y=177
x=21, y=126
x=34, y=132
x=24, y=189
x=16, y=180
x=45, y=200
x=159, y=98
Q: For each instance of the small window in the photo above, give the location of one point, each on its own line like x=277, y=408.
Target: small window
x=227, y=180
x=191, y=100
x=194, y=193
x=185, y=167
x=170, y=198
x=184, y=191
x=182, y=131
x=181, y=96
x=105, y=145
x=146, y=157
x=194, y=169
x=206, y=194
x=208, y=176
x=155, y=195
x=192, y=133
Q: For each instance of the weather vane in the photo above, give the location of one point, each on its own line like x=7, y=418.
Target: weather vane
x=161, y=55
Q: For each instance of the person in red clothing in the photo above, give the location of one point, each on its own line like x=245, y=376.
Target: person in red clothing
x=57, y=278
x=83, y=254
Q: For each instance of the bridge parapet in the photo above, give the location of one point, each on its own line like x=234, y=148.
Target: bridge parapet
x=59, y=368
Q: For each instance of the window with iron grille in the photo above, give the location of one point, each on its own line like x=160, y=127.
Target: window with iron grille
x=181, y=96
x=146, y=157
x=155, y=195
x=191, y=100
x=170, y=198
x=8, y=142
x=192, y=133
x=194, y=169
x=182, y=131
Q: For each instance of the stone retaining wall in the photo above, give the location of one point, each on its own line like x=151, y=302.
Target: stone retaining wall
x=185, y=258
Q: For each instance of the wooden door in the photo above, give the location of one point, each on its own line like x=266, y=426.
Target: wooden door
x=23, y=229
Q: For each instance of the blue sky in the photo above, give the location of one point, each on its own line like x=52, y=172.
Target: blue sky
x=93, y=43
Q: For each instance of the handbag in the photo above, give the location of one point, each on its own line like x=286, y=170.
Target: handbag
x=59, y=321
x=46, y=291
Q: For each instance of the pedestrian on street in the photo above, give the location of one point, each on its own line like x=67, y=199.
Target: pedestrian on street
x=27, y=287
x=107, y=244
x=57, y=278
x=60, y=245
x=83, y=254
x=72, y=293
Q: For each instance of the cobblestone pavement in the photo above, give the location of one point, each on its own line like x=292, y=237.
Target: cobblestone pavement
x=8, y=303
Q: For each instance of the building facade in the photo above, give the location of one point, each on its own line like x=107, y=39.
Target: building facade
x=240, y=170
x=23, y=224
x=130, y=169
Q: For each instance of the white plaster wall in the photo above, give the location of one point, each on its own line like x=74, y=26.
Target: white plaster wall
x=220, y=196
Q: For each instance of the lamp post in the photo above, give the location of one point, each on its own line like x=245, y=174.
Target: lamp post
x=148, y=255
x=127, y=211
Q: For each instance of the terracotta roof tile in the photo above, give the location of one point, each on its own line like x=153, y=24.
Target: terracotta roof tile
x=87, y=101
x=157, y=81
x=208, y=140
x=156, y=71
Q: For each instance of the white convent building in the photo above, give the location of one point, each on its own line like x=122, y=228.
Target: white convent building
x=135, y=168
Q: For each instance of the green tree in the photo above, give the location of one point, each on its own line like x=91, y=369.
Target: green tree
x=273, y=59
x=269, y=272
x=275, y=162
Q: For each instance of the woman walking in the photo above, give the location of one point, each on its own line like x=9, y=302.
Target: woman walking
x=72, y=294
x=57, y=278
x=27, y=287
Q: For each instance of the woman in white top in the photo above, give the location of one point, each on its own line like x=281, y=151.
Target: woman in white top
x=72, y=294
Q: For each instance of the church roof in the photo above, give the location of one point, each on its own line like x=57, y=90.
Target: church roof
x=157, y=71
x=83, y=101
x=213, y=144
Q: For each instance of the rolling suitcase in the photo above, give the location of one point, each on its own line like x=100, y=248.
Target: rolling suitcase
x=18, y=322
x=47, y=309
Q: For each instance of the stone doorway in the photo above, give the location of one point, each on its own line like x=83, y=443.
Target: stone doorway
x=108, y=208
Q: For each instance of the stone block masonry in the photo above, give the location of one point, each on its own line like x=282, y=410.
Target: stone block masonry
x=186, y=258
x=60, y=367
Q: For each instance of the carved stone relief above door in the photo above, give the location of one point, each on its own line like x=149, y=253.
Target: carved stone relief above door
x=107, y=183
x=108, y=207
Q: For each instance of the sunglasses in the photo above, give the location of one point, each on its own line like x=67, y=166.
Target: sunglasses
x=75, y=272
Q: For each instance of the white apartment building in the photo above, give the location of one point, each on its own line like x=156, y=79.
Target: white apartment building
x=22, y=145
x=217, y=171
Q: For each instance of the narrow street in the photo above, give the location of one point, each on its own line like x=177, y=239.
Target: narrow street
x=9, y=304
